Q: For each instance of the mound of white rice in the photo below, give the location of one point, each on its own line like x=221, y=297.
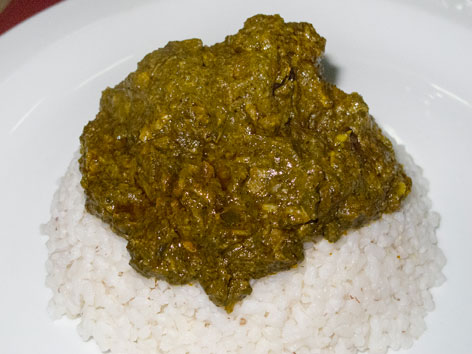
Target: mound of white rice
x=368, y=291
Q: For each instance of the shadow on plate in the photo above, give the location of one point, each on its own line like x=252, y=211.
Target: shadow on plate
x=329, y=71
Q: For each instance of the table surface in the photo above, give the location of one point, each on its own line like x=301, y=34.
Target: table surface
x=12, y=12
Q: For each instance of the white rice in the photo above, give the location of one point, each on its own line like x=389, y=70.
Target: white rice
x=368, y=291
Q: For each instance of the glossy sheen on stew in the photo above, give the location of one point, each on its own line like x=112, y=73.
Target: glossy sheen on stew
x=217, y=163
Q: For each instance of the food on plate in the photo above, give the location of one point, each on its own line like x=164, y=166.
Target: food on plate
x=217, y=167
x=216, y=163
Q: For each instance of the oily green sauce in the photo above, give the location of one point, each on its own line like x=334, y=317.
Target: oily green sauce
x=217, y=163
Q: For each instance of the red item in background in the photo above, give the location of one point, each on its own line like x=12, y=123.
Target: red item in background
x=19, y=10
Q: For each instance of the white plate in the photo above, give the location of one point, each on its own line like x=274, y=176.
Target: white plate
x=411, y=63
